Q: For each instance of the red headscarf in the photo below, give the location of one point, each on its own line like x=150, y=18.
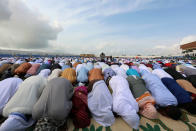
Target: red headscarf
x=80, y=111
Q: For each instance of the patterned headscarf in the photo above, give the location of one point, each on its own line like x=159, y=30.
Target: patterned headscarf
x=80, y=111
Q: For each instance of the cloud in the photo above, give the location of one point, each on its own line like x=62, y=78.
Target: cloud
x=160, y=47
x=77, y=26
x=169, y=49
x=24, y=28
x=188, y=39
x=74, y=12
x=4, y=10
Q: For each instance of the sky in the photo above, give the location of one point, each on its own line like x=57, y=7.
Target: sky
x=116, y=27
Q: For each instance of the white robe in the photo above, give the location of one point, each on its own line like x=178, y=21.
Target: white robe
x=162, y=95
x=45, y=73
x=97, y=66
x=161, y=73
x=100, y=104
x=79, y=66
x=114, y=67
x=26, y=96
x=8, y=87
x=19, y=61
x=124, y=104
x=125, y=67
x=143, y=67
x=103, y=66
x=121, y=72
x=55, y=73
x=16, y=123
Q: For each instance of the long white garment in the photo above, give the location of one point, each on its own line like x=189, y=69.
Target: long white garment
x=143, y=67
x=162, y=95
x=121, y=72
x=8, y=87
x=103, y=66
x=55, y=73
x=61, y=64
x=89, y=66
x=78, y=67
x=26, y=96
x=45, y=73
x=19, y=61
x=16, y=123
x=114, y=67
x=124, y=104
x=100, y=104
x=188, y=70
x=190, y=66
x=125, y=67
x=161, y=73
x=97, y=66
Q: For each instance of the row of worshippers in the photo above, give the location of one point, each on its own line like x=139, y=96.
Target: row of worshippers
x=25, y=68
x=47, y=99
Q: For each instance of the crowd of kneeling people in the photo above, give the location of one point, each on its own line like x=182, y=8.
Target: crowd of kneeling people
x=45, y=93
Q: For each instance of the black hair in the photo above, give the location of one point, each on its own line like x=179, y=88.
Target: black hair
x=171, y=111
x=190, y=107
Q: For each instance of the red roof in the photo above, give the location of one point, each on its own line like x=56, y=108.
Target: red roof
x=191, y=45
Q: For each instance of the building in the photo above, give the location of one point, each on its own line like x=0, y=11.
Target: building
x=87, y=55
x=189, y=48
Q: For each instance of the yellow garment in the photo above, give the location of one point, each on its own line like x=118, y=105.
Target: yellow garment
x=69, y=74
